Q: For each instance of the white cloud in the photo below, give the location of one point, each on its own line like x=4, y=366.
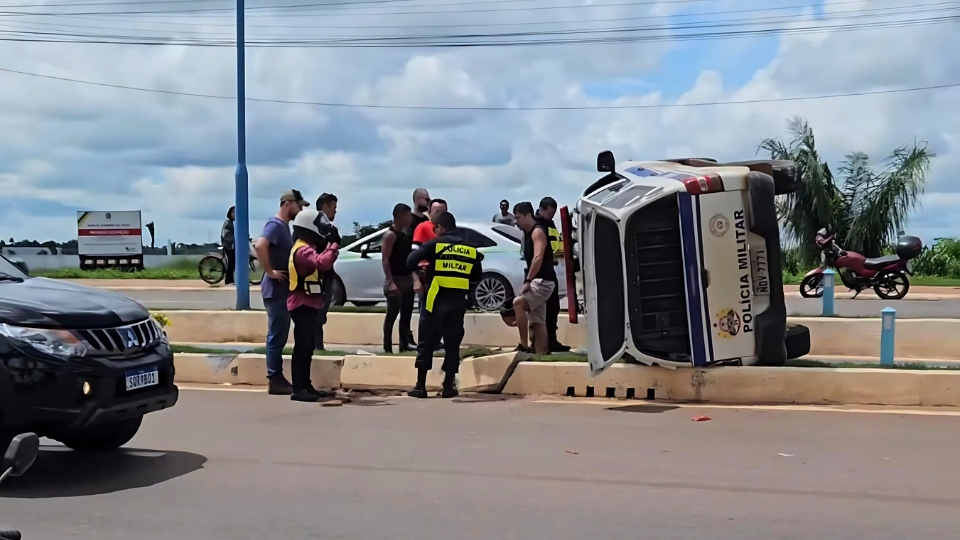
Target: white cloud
x=174, y=156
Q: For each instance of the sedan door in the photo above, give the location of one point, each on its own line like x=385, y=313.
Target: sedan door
x=360, y=269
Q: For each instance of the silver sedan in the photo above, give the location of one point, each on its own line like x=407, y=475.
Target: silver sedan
x=360, y=274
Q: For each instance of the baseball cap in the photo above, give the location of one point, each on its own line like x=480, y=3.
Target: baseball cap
x=293, y=196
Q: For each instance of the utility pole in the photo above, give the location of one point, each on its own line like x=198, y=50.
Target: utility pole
x=242, y=223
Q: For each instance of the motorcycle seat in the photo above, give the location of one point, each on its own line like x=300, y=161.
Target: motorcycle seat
x=8, y=534
x=880, y=262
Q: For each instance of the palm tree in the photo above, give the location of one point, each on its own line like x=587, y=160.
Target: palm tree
x=866, y=207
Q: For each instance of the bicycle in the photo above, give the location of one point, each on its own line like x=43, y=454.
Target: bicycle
x=213, y=267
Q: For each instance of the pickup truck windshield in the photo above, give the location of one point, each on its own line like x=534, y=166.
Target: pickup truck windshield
x=9, y=271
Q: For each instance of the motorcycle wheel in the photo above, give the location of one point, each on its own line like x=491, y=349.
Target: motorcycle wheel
x=891, y=285
x=212, y=269
x=812, y=286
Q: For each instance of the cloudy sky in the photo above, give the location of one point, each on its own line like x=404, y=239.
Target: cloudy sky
x=67, y=146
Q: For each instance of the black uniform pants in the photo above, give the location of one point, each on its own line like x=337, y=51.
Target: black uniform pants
x=231, y=254
x=399, y=303
x=304, y=320
x=444, y=322
x=553, y=314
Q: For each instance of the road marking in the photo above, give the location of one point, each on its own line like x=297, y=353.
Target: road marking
x=788, y=408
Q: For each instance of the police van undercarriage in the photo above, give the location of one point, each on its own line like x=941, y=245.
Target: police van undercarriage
x=677, y=263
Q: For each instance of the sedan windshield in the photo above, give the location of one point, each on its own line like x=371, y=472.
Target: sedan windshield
x=10, y=271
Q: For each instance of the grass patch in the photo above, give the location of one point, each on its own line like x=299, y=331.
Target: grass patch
x=358, y=309
x=189, y=349
x=802, y=362
x=108, y=273
x=289, y=350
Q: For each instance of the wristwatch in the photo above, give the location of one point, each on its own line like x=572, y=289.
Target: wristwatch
x=528, y=281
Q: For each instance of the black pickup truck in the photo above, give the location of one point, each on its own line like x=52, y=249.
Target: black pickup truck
x=77, y=364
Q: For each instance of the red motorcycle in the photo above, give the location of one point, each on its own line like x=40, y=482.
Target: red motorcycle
x=887, y=276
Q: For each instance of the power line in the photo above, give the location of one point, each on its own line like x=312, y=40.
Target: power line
x=339, y=12
x=505, y=109
x=891, y=10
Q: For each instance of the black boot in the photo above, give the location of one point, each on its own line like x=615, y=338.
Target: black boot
x=278, y=385
x=306, y=395
x=388, y=345
x=449, y=386
x=420, y=390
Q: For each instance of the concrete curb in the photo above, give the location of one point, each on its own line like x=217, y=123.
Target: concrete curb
x=830, y=336
x=743, y=385
x=509, y=374
x=352, y=372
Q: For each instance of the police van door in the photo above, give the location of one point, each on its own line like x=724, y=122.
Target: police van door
x=728, y=305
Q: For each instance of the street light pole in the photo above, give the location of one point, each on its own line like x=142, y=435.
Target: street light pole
x=242, y=222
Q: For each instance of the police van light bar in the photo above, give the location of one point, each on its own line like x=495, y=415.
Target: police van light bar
x=706, y=184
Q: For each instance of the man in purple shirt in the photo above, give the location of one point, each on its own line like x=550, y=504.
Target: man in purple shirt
x=273, y=251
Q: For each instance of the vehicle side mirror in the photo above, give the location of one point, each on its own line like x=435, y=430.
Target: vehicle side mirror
x=606, y=162
x=364, y=251
x=21, y=454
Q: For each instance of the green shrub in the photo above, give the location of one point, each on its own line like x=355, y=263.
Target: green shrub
x=942, y=259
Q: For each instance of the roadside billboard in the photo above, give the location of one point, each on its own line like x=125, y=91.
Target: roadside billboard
x=110, y=239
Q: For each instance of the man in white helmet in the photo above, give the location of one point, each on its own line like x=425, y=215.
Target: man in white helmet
x=309, y=262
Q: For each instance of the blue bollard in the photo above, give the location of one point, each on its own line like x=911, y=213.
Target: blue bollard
x=889, y=318
x=828, y=282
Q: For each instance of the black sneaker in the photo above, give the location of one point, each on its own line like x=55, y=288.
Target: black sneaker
x=559, y=347
x=279, y=386
x=304, y=395
x=448, y=392
x=521, y=348
x=419, y=393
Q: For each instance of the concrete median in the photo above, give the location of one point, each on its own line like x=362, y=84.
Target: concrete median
x=830, y=336
x=509, y=374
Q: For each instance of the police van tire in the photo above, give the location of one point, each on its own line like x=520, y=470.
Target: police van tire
x=103, y=437
x=797, y=341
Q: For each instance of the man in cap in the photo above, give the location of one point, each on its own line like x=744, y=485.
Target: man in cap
x=273, y=251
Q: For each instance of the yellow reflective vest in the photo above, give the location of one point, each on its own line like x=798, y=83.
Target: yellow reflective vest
x=451, y=269
x=310, y=284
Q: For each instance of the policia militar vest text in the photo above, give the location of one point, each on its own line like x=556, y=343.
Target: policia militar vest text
x=451, y=269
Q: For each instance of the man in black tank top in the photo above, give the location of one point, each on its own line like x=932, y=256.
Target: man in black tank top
x=398, y=282
x=530, y=306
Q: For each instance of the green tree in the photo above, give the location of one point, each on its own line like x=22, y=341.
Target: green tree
x=866, y=206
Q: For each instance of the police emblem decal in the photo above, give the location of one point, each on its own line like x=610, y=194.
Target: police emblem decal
x=719, y=224
x=728, y=323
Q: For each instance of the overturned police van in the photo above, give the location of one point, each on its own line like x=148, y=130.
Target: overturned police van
x=678, y=263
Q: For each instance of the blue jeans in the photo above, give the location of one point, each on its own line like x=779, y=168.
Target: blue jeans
x=278, y=329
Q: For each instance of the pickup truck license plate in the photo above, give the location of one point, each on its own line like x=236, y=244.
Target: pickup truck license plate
x=142, y=378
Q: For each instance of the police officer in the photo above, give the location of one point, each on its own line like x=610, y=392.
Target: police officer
x=452, y=267
x=546, y=213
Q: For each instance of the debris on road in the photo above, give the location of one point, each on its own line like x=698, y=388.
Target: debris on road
x=332, y=403
x=701, y=418
x=572, y=452
x=785, y=455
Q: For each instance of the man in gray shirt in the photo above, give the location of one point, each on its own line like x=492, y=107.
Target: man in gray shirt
x=504, y=216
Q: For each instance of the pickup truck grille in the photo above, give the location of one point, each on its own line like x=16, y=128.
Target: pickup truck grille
x=120, y=341
x=657, y=299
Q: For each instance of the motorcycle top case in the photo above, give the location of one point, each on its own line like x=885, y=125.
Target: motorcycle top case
x=909, y=247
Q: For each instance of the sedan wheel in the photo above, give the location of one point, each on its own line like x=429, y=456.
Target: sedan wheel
x=492, y=291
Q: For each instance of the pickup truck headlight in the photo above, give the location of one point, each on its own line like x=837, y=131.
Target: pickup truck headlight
x=57, y=343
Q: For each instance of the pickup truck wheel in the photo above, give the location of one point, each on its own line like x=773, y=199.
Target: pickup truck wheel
x=104, y=437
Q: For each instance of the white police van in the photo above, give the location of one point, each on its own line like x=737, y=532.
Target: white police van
x=679, y=263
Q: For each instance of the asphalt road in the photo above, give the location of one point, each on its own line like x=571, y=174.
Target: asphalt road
x=243, y=465
x=865, y=306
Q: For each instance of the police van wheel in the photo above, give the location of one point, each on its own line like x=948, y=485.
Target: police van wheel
x=797, y=341
x=492, y=291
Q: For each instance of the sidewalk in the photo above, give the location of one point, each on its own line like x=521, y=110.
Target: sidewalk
x=918, y=292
